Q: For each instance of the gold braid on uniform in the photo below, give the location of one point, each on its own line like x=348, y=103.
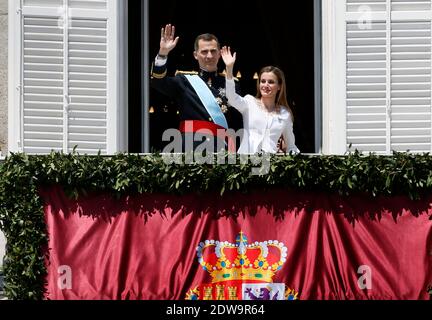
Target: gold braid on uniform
x=186, y=72
x=158, y=75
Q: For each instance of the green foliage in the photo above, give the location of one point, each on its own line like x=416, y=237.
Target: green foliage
x=21, y=210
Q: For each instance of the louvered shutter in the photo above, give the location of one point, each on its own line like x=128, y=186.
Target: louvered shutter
x=43, y=79
x=366, y=75
x=69, y=93
x=388, y=70
x=410, y=76
x=87, y=70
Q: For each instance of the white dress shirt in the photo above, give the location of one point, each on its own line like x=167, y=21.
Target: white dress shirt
x=261, y=128
x=160, y=61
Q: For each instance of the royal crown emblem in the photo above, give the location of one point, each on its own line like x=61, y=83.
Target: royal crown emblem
x=241, y=270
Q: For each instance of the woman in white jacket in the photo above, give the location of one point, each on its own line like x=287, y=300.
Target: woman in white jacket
x=265, y=117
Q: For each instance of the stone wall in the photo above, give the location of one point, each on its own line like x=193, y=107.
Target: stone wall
x=3, y=92
x=3, y=74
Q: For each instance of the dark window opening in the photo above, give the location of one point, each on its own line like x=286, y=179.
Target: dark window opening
x=261, y=35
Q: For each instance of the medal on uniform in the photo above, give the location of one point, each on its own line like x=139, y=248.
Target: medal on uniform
x=221, y=99
x=222, y=105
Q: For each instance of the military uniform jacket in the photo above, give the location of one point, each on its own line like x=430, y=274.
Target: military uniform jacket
x=189, y=104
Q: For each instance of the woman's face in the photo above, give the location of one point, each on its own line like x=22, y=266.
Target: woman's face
x=269, y=85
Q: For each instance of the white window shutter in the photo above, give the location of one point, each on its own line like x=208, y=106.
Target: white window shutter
x=68, y=65
x=366, y=6
x=411, y=79
x=42, y=85
x=366, y=75
x=388, y=76
x=87, y=76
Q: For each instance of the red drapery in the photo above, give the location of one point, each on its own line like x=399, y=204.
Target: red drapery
x=145, y=246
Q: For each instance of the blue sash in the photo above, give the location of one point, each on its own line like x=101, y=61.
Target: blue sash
x=208, y=100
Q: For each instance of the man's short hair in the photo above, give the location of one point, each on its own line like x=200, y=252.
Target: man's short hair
x=205, y=37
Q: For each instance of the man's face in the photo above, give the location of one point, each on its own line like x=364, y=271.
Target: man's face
x=208, y=55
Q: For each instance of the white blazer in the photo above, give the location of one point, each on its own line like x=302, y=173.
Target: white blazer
x=261, y=129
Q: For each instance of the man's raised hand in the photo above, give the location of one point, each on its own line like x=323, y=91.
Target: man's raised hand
x=168, y=40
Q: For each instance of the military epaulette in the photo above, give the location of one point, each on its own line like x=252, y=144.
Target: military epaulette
x=185, y=72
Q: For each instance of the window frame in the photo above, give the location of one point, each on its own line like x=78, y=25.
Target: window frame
x=117, y=100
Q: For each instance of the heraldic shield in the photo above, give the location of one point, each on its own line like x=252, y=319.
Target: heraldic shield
x=242, y=271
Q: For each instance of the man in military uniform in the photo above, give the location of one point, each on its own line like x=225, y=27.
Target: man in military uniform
x=200, y=95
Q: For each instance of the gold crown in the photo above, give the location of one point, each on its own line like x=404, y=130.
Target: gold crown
x=241, y=261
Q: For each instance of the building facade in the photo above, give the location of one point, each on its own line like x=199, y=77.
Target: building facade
x=68, y=70
x=64, y=71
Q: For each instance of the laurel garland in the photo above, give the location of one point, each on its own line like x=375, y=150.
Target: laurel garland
x=21, y=210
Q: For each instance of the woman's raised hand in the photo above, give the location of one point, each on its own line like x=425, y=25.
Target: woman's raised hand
x=228, y=58
x=168, y=39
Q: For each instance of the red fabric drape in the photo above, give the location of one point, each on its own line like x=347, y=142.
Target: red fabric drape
x=145, y=246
